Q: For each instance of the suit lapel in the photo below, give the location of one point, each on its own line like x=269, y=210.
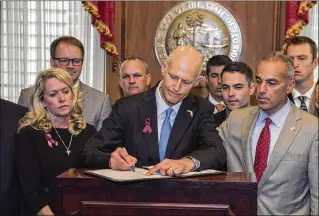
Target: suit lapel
x=147, y=109
x=82, y=88
x=246, y=131
x=183, y=119
x=287, y=135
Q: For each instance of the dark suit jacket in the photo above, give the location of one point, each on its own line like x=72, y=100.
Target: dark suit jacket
x=192, y=135
x=220, y=117
x=10, y=201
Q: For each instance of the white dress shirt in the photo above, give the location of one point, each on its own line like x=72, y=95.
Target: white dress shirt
x=161, y=111
x=308, y=94
x=278, y=119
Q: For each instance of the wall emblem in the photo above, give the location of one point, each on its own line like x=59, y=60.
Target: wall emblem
x=205, y=25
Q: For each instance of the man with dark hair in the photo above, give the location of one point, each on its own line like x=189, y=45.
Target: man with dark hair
x=303, y=51
x=67, y=53
x=214, y=68
x=11, y=199
x=277, y=141
x=165, y=126
x=134, y=77
x=237, y=88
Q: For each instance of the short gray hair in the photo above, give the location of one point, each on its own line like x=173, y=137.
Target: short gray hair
x=133, y=58
x=278, y=56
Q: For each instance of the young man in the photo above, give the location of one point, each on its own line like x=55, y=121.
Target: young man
x=214, y=67
x=277, y=141
x=303, y=51
x=67, y=53
x=166, y=126
x=237, y=88
x=133, y=76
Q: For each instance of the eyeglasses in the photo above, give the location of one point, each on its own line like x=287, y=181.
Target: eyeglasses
x=66, y=61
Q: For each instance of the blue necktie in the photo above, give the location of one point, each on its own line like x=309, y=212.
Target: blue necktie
x=165, y=132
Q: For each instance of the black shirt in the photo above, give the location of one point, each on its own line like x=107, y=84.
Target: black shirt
x=38, y=164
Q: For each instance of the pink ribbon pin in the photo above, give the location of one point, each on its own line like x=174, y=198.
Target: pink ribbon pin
x=147, y=127
x=51, y=142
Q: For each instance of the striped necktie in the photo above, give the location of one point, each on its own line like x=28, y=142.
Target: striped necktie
x=303, y=105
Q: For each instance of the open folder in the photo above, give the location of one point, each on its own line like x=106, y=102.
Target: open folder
x=139, y=174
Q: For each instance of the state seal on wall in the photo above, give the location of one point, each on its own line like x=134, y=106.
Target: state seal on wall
x=205, y=25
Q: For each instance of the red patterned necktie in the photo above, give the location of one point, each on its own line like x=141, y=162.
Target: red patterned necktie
x=262, y=150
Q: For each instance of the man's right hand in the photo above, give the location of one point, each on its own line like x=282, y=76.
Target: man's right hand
x=121, y=160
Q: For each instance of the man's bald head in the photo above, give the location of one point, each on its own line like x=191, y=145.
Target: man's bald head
x=186, y=56
x=180, y=72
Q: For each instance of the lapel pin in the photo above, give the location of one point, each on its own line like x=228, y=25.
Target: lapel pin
x=190, y=113
x=147, y=128
x=293, y=128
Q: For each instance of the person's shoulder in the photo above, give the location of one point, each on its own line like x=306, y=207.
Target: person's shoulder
x=27, y=90
x=91, y=90
x=306, y=118
x=12, y=107
x=134, y=100
x=241, y=113
x=28, y=130
x=201, y=102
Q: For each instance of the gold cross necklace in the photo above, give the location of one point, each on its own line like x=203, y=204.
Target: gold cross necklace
x=68, y=151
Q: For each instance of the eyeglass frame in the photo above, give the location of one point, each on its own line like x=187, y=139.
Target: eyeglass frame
x=72, y=60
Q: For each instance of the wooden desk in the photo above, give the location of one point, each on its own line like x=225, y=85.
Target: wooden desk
x=81, y=194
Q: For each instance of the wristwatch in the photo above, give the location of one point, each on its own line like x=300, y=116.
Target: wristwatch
x=195, y=161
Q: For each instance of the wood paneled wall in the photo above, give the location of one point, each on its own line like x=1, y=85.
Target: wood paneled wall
x=261, y=23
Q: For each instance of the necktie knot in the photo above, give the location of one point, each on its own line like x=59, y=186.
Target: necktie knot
x=168, y=114
x=220, y=107
x=303, y=105
x=268, y=122
x=302, y=99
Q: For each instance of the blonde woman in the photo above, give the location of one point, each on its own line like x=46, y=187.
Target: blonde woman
x=49, y=137
x=314, y=101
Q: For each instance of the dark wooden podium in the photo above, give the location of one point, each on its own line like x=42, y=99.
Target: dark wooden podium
x=224, y=194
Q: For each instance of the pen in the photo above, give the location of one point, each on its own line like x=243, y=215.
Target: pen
x=131, y=166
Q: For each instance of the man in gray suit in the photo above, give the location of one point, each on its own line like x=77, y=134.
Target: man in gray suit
x=276, y=141
x=67, y=53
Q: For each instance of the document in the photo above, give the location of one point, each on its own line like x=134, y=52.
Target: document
x=139, y=174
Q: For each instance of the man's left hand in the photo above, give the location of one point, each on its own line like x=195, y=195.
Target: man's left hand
x=172, y=167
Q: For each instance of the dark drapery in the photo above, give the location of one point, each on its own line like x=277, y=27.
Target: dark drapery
x=103, y=17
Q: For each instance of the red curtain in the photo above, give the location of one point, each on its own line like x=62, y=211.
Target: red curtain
x=103, y=16
x=297, y=16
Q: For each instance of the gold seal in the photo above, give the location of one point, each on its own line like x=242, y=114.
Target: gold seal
x=205, y=25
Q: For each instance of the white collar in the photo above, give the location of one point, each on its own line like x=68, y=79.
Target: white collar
x=161, y=104
x=213, y=101
x=296, y=94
